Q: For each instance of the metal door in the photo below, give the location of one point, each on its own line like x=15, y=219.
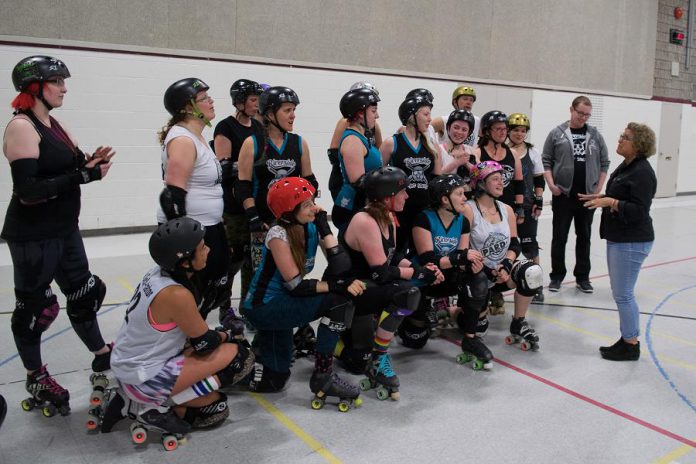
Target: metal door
x=668, y=150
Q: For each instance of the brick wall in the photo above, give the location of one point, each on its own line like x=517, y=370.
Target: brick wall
x=682, y=87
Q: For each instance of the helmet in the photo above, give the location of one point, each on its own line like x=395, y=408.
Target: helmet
x=285, y=194
x=490, y=118
x=425, y=93
x=384, y=182
x=463, y=90
x=356, y=100
x=364, y=85
x=518, y=119
x=242, y=88
x=264, y=86
x=174, y=241
x=482, y=170
x=410, y=106
x=461, y=115
x=180, y=93
x=273, y=97
x=443, y=186
x=37, y=68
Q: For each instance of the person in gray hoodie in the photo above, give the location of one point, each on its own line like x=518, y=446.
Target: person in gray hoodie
x=576, y=162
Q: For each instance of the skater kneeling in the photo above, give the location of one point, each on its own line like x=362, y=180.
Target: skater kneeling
x=165, y=358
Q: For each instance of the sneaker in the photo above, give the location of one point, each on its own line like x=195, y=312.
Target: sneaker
x=584, y=286
x=554, y=286
x=604, y=349
x=622, y=351
x=538, y=297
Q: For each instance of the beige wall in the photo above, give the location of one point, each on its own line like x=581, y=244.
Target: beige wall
x=682, y=86
x=588, y=44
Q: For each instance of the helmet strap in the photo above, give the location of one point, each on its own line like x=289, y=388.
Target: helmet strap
x=367, y=131
x=41, y=97
x=199, y=114
x=274, y=123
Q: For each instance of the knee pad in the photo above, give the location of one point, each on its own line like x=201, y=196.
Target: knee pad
x=405, y=302
x=208, y=416
x=413, y=336
x=84, y=301
x=338, y=312
x=240, y=366
x=217, y=293
x=34, y=312
x=354, y=360
x=528, y=277
x=266, y=380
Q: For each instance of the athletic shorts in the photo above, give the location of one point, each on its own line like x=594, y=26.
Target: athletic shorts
x=158, y=389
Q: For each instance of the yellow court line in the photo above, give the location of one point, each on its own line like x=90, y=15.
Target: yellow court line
x=125, y=284
x=565, y=325
x=296, y=429
x=676, y=454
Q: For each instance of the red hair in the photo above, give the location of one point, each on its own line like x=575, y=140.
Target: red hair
x=26, y=98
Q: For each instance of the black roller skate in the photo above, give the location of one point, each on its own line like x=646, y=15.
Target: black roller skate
x=208, y=416
x=305, y=341
x=538, y=296
x=229, y=320
x=172, y=428
x=381, y=376
x=437, y=318
x=496, y=304
x=521, y=332
x=101, y=364
x=474, y=350
x=46, y=394
x=328, y=384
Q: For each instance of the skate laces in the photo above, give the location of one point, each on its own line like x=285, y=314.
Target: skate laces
x=385, y=366
x=340, y=382
x=45, y=381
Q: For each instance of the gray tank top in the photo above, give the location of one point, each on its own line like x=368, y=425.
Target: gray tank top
x=141, y=350
x=492, y=240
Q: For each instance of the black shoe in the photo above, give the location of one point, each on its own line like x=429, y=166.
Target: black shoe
x=538, y=297
x=622, y=351
x=554, y=285
x=3, y=409
x=584, y=286
x=604, y=349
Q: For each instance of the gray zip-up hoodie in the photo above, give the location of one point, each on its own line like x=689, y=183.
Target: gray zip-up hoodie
x=558, y=157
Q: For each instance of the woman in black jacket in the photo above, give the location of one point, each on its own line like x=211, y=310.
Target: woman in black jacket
x=628, y=229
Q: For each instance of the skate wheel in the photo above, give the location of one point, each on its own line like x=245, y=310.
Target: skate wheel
x=395, y=395
x=382, y=394
x=28, y=404
x=509, y=340
x=97, y=398
x=478, y=365
x=525, y=346
x=138, y=434
x=92, y=424
x=343, y=406
x=365, y=384
x=358, y=401
x=317, y=404
x=48, y=411
x=170, y=442
x=463, y=358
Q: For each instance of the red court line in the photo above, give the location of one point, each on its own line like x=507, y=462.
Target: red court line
x=589, y=400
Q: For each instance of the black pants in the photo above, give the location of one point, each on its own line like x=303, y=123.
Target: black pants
x=527, y=232
x=568, y=209
x=212, y=280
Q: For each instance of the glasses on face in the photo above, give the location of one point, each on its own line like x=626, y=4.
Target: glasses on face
x=499, y=129
x=625, y=137
x=582, y=114
x=59, y=81
x=206, y=99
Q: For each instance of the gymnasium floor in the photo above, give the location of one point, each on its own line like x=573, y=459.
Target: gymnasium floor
x=560, y=404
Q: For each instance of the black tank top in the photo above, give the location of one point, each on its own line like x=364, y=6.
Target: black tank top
x=273, y=164
x=57, y=217
x=528, y=176
x=418, y=164
x=508, y=164
x=359, y=266
x=236, y=133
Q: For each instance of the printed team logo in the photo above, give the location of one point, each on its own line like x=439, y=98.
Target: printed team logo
x=417, y=166
x=508, y=174
x=309, y=265
x=495, y=247
x=280, y=168
x=445, y=245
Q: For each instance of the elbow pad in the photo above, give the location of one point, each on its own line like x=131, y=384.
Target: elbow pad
x=229, y=169
x=333, y=156
x=312, y=180
x=173, y=202
x=429, y=257
x=31, y=189
x=301, y=287
x=339, y=261
x=206, y=342
x=539, y=182
x=243, y=190
x=515, y=246
x=385, y=273
x=518, y=186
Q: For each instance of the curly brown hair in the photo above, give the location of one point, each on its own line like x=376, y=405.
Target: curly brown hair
x=643, y=139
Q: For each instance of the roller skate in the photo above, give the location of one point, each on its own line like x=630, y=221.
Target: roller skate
x=327, y=384
x=474, y=350
x=208, y=416
x=381, y=376
x=496, y=305
x=46, y=394
x=305, y=341
x=230, y=321
x=521, y=332
x=438, y=318
x=102, y=417
x=101, y=364
x=538, y=296
x=172, y=428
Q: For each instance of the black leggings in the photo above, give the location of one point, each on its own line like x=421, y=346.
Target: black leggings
x=213, y=279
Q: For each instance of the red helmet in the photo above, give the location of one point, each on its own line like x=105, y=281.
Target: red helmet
x=285, y=194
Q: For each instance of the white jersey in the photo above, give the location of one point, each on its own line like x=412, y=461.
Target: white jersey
x=204, y=199
x=492, y=240
x=470, y=140
x=141, y=351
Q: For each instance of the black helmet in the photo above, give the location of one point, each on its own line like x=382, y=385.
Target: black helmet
x=410, y=106
x=37, y=68
x=180, y=93
x=461, y=115
x=384, y=182
x=356, y=100
x=425, y=93
x=442, y=186
x=242, y=88
x=272, y=98
x=174, y=241
x=490, y=118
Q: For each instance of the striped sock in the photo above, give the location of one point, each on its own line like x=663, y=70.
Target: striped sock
x=198, y=389
x=381, y=345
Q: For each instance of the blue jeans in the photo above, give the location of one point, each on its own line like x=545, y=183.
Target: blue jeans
x=624, y=261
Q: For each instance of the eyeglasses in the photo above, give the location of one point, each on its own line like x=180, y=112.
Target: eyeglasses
x=582, y=114
x=499, y=129
x=625, y=137
x=59, y=81
x=206, y=99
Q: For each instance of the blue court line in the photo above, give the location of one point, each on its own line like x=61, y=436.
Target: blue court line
x=62, y=331
x=648, y=339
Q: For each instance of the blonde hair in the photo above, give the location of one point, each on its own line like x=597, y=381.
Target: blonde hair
x=643, y=139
